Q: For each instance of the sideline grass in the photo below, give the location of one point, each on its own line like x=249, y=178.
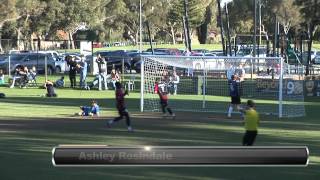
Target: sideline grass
x=31, y=125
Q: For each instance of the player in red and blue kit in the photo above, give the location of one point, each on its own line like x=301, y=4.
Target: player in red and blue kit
x=163, y=95
x=121, y=106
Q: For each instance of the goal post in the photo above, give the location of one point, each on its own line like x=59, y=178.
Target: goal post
x=202, y=84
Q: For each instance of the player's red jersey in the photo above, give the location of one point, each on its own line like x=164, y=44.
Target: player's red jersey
x=163, y=97
x=120, y=98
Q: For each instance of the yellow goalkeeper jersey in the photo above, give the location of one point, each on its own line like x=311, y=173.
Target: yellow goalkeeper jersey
x=251, y=120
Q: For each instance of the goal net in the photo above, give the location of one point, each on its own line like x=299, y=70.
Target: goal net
x=200, y=84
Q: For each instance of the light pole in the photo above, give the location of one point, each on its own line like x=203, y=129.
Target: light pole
x=255, y=28
x=140, y=29
x=260, y=22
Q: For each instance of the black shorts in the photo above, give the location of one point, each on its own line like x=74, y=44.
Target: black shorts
x=235, y=100
x=122, y=111
x=249, y=138
x=164, y=103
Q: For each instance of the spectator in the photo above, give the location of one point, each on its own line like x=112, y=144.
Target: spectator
x=115, y=77
x=175, y=79
x=101, y=62
x=50, y=89
x=240, y=72
x=1, y=77
x=102, y=72
x=165, y=77
x=32, y=75
x=230, y=72
x=21, y=74
x=60, y=82
x=83, y=66
x=72, y=70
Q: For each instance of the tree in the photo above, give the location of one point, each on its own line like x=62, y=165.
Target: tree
x=7, y=14
x=311, y=15
x=75, y=14
x=288, y=14
x=202, y=29
x=199, y=14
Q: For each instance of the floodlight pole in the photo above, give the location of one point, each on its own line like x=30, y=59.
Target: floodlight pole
x=260, y=23
x=142, y=61
x=140, y=30
x=255, y=28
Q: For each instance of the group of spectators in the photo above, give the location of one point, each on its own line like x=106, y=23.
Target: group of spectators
x=22, y=76
x=102, y=79
x=74, y=67
x=170, y=81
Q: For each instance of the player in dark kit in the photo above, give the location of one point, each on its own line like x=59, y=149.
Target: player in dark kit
x=122, y=109
x=163, y=95
x=235, y=95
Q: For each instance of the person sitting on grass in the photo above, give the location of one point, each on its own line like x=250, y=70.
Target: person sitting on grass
x=1, y=77
x=59, y=83
x=251, y=123
x=50, y=89
x=93, y=110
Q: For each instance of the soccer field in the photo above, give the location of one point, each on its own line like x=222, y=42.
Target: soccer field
x=31, y=125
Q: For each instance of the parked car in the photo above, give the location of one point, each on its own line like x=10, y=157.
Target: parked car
x=29, y=60
x=167, y=51
x=313, y=54
x=115, y=58
x=203, y=51
x=61, y=65
x=316, y=60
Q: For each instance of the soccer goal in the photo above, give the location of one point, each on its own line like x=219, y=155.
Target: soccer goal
x=200, y=84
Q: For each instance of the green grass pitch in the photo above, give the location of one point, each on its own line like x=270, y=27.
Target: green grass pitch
x=31, y=125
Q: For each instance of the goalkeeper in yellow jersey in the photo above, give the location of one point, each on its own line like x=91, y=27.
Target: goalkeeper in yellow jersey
x=251, y=123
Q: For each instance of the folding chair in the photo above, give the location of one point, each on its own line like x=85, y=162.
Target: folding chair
x=130, y=85
x=32, y=79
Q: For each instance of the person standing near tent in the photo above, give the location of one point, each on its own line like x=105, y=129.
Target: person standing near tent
x=175, y=79
x=102, y=68
x=72, y=70
x=83, y=66
x=230, y=72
